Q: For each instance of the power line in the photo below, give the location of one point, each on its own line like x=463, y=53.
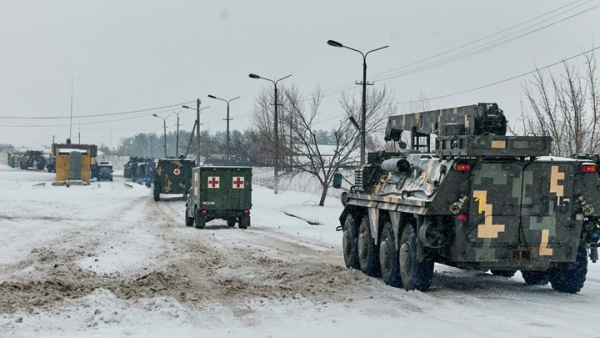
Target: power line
x=95, y=115
x=480, y=49
x=507, y=79
x=490, y=45
x=489, y=84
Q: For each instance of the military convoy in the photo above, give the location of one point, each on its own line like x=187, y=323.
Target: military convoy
x=481, y=200
x=220, y=193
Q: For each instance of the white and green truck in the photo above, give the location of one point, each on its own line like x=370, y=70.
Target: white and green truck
x=219, y=193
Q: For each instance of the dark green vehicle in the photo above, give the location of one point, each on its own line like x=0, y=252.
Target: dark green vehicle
x=172, y=176
x=220, y=193
x=481, y=200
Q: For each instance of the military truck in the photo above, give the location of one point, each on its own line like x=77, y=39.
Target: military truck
x=105, y=171
x=130, y=168
x=33, y=159
x=172, y=176
x=220, y=193
x=480, y=200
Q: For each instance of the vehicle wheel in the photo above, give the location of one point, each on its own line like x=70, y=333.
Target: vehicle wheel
x=536, y=277
x=368, y=257
x=189, y=221
x=231, y=222
x=569, y=277
x=244, y=222
x=503, y=273
x=156, y=192
x=414, y=274
x=388, y=257
x=350, y=241
x=199, y=218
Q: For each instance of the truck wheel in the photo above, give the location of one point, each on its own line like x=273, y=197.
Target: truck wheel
x=200, y=220
x=231, y=222
x=536, y=277
x=350, y=241
x=503, y=273
x=156, y=192
x=569, y=277
x=414, y=274
x=189, y=221
x=367, y=250
x=244, y=222
x=388, y=257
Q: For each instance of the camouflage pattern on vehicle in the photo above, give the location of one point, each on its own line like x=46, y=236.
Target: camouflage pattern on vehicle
x=130, y=168
x=481, y=201
x=172, y=176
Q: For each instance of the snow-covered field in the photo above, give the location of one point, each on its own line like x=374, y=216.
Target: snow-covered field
x=105, y=260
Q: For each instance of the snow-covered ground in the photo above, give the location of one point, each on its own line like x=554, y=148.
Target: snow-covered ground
x=105, y=260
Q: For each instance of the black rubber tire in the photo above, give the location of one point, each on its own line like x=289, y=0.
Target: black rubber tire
x=350, y=241
x=189, y=221
x=503, y=273
x=199, y=219
x=368, y=254
x=388, y=257
x=244, y=222
x=414, y=274
x=156, y=192
x=569, y=277
x=231, y=222
x=536, y=277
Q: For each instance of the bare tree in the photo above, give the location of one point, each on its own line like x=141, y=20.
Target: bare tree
x=566, y=108
x=308, y=156
x=380, y=105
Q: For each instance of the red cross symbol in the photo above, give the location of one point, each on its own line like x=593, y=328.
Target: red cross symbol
x=213, y=182
x=238, y=183
x=176, y=171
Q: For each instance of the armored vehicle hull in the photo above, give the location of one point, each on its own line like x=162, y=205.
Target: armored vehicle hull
x=220, y=193
x=476, y=205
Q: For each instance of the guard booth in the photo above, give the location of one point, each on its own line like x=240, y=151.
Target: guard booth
x=72, y=167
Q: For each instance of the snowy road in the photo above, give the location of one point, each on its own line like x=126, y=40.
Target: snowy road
x=106, y=260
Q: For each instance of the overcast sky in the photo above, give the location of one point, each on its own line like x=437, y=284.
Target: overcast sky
x=125, y=56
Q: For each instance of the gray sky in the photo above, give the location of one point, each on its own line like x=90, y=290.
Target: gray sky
x=139, y=54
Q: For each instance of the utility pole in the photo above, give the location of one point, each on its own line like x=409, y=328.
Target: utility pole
x=227, y=119
x=177, y=135
x=198, y=131
x=197, y=126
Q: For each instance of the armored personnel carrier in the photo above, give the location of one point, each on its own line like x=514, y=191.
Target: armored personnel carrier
x=462, y=193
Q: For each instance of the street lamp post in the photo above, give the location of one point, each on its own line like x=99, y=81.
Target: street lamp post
x=227, y=119
x=276, y=169
x=364, y=95
x=165, y=129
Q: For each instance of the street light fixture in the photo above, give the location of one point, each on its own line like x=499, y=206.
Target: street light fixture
x=276, y=169
x=227, y=119
x=364, y=95
x=165, y=130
